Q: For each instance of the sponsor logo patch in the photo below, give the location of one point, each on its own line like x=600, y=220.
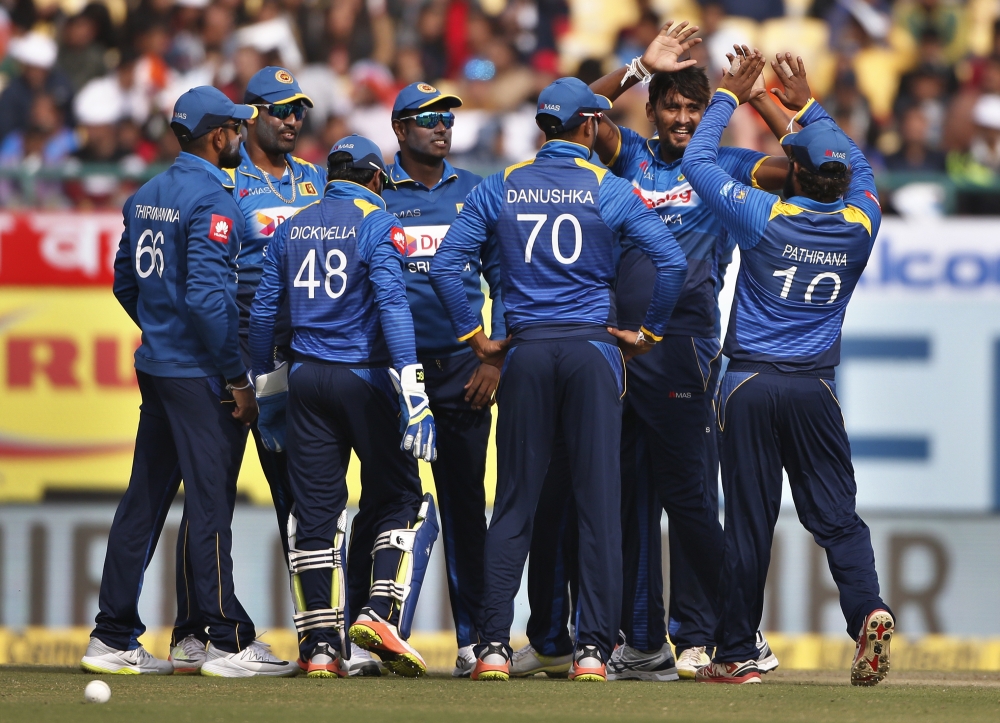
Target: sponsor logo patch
x=219, y=228
x=398, y=237
x=423, y=241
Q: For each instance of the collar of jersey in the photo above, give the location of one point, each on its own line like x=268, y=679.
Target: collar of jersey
x=193, y=161
x=350, y=189
x=247, y=168
x=563, y=149
x=398, y=175
x=810, y=205
x=653, y=145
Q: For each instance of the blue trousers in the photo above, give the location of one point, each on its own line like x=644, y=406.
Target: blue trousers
x=462, y=438
x=332, y=410
x=186, y=430
x=573, y=384
x=770, y=421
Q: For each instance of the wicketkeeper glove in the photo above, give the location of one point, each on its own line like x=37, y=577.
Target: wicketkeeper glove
x=417, y=422
x=272, y=396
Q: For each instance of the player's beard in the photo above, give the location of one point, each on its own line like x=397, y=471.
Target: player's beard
x=230, y=156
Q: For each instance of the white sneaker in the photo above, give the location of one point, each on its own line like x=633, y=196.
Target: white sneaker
x=528, y=661
x=101, y=658
x=361, y=664
x=254, y=660
x=691, y=661
x=187, y=656
x=628, y=663
x=464, y=663
x=767, y=660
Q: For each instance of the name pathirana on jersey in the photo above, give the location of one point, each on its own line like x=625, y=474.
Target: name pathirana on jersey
x=558, y=216
x=177, y=252
x=426, y=214
x=337, y=263
x=698, y=232
x=800, y=260
x=264, y=210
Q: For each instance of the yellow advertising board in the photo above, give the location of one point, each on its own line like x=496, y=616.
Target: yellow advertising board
x=69, y=404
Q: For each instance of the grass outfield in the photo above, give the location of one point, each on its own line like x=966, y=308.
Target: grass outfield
x=42, y=694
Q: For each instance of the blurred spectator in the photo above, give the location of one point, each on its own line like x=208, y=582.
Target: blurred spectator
x=81, y=56
x=916, y=154
x=981, y=163
x=943, y=18
x=926, y=87
x=46, y=141
x=36, y=56
x=754, y=9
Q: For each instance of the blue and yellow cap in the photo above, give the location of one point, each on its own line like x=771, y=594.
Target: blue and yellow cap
x=201, y=109
x=274, y=85
x=420, y=95
x=568, y=99
x=818, y=143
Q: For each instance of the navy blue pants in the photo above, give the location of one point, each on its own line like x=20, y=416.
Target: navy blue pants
x=186, y=430
x=462, y=438
x=573, y=384
x=770, y=421
x=332, y=410
x=189, y=621
x=668, y=461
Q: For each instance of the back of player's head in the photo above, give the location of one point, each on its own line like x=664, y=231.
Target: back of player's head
x=565, y=104
x=356, y=159
x=821, y=152
x=692, y=83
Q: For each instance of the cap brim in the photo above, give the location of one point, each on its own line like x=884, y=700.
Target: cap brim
x=789, y=139
x=603, y=103
x=306, y=100
x=453, y=101
x=244, y=112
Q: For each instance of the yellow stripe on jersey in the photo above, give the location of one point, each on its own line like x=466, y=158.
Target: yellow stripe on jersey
x=510, y=169
x=851, y=214
x=598, y=171
x=365, y=206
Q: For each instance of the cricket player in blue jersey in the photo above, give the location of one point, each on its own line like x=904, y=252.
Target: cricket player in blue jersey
x=175, y=275
x=355, y=384
x=669, y=458
x=558, y=215
x=426, y=194
x=800, y=259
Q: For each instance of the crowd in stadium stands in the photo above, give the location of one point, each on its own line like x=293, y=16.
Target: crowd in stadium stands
x=915, y=82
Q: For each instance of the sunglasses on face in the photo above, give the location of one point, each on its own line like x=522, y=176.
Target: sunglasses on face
x=431, y=119
x=235, y=126
x=283, y=110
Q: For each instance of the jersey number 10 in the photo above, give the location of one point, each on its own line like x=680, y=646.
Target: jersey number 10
x=310, y=282
x=789, y=274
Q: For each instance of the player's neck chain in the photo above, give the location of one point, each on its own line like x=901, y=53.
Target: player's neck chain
x=267, y=177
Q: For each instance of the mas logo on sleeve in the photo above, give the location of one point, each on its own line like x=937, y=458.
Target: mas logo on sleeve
x=398, y=236
x=220, y=228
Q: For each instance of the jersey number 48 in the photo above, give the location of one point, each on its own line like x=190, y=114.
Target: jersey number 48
x=302, y=280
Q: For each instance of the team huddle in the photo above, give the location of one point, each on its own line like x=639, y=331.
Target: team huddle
x=339, y=311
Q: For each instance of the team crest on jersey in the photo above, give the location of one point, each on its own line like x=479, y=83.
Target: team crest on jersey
x=219, y=228
x=283, y=76
x=425, y=88
x=307, y=188
x=398, y=237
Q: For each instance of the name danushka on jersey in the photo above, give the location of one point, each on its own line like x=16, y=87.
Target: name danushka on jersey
x=322, y=233
x=548, y=195
x=813, y=256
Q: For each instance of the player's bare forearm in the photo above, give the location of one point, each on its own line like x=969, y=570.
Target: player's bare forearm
x=777, y=120
x=611, y=87
x=487, y=350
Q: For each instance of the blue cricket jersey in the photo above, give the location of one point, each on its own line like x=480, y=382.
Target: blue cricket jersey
x=557, y=217
x=426, y=214
x=698, y=232
x=337, y=261
x=263, y=211
x=799, y=259
x=175, y=271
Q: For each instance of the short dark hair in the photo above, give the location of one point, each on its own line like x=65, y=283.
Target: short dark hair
x=689, y=82
x=551, y=126
x=184, y=137
x=825, y=189
x=336, y=170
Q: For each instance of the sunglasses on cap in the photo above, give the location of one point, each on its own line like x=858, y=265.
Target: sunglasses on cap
x=431, y=119
x=283, y=110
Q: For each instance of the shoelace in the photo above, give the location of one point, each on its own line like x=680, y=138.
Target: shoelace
x=259, y=650
x=141, y=655
x=523, y=653
x=192, y=646
x=691, y=655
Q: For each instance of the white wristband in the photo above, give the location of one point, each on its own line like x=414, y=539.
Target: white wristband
x=636, y=69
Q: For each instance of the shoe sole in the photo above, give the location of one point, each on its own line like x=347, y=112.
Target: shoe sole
x=234, y=671
x=495, y=675
x=659, y=676
x=768, y=663
x=685, y=674
x=741, y=680
x=368, y=670
x=588, y=678
x=553, y=671
x=879, y=628
x=123, y=670
x=187, y=671
x=400, y=662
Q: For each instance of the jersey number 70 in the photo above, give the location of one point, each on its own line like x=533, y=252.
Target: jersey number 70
x=539, y=220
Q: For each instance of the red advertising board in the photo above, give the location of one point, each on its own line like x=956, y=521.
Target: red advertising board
x=58, y=249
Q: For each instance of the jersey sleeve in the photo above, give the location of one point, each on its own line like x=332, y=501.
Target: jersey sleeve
x=216, y=222
x=126, y=288
x=464, y=240
x=743, y=210
x=741, y=163
x=490, y=257
x=386, y=276
x=266, y=302
x=631, y=149
x=861, y=193
x=626, y=212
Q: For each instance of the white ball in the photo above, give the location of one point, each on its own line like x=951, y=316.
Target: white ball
x=97, y=691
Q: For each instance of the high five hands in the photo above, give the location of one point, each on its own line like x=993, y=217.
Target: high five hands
x=747, y=82
x=662, y=55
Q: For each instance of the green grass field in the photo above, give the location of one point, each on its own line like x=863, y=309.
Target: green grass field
x=39, y=695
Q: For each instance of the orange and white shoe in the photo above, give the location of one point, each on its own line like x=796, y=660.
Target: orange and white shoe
x=733, y=673
x=871, y=658
x=379, y=636
x=492, y=664
x=323, y=662
x=588, y=665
